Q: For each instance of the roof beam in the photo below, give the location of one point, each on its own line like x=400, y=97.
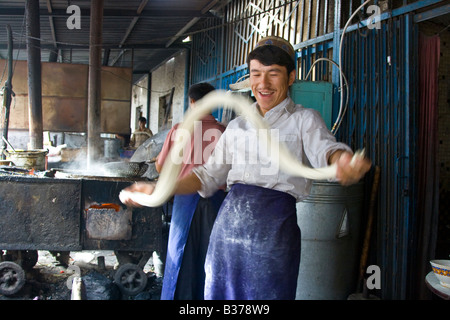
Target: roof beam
x=113, y=13
x=50, y=20
x=54, y=53
x=133, y=22
x=129, y=29
x=194, y=20
x=47, y=46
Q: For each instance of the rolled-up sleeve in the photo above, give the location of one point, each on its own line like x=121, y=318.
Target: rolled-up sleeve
x=213, y=174
x=318, y=142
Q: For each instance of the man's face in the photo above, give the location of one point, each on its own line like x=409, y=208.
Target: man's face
x=270, y=84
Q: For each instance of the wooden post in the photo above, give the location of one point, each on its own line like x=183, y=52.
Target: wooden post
x=34, y=74
x=94, y=89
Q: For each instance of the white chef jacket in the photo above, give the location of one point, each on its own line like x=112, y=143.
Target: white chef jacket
x=239, y=157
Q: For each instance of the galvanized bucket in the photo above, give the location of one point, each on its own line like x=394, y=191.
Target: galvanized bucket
x=112, y=148
x=330, y=224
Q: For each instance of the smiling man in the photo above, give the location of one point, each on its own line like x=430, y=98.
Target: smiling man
x=270, y=83
x=254, y=249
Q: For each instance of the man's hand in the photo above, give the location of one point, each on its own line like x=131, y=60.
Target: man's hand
x=143, y=187
x=349, y=172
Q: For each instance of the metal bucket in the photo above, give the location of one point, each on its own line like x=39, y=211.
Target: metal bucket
x=31, y=159
x=330, y=224
x=112, y=148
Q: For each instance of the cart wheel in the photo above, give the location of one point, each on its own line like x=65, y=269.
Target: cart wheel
x=12, y=278
x=130, y=279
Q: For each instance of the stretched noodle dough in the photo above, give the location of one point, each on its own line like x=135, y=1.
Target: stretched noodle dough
x=167, y=180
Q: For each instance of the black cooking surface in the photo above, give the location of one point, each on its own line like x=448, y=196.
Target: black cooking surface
x=45, y=213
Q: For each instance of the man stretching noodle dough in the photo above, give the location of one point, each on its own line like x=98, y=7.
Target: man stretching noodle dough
x=254, y=249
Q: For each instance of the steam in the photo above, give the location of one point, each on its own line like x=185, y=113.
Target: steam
x=79, y=165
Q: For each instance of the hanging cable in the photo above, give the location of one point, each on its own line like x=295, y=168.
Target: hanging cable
x=341, y=113
x=342, y=78
x=338, y=121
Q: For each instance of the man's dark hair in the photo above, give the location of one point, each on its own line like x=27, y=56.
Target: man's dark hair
x=142, y=119
x=199, y=90
x=269, y=55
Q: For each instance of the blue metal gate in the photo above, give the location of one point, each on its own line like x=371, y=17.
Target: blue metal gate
x=379, y=65
x=380, y=68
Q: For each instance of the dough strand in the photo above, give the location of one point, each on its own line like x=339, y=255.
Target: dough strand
x=166, y=183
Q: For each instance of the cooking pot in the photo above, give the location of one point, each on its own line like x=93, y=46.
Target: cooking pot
x=30, y=159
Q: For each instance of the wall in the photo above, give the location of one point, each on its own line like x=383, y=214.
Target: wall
x=170, y=74
x=64, y=97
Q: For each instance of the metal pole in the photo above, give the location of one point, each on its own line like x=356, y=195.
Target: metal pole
x=34, y=74
x=8, y=89
x=94, y=89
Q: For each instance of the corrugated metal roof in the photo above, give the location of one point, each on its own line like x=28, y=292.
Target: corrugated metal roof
x=138, y=33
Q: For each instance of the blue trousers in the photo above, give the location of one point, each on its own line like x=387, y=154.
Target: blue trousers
x=190, y=227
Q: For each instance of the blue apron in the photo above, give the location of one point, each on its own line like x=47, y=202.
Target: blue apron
x=184, y=207
x=254, y=249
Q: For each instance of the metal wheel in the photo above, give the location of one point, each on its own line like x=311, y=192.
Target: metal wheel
x=12, y=278
x=130, y=279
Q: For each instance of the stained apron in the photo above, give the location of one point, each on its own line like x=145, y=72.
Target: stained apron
x=190, y=228
x=254, y=250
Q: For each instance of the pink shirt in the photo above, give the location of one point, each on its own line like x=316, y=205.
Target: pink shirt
x=206, y=134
